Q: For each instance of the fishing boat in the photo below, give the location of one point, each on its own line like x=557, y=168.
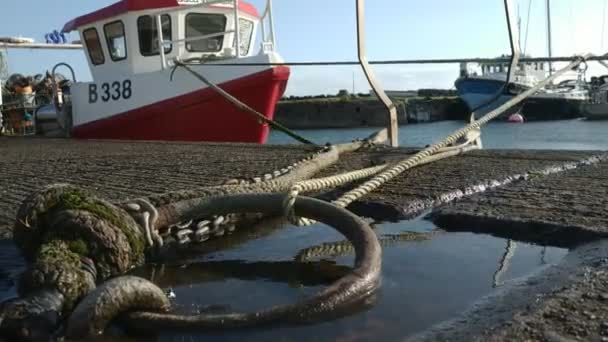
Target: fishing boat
x=563, y=100
x=485, y=92
x=135, y=96
x=488, y=90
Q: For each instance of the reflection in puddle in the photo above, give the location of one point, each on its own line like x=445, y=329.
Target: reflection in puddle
x=428, y=276
x=11, y=264
x=503, y=266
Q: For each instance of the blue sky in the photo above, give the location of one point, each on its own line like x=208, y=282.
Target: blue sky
x=315, y=30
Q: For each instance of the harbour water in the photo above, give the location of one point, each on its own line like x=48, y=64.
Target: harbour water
x=578, y=134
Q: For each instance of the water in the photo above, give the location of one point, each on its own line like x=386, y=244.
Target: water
x=575, y=134
x=423, y=282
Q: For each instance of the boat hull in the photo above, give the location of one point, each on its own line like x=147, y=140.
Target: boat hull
x=546, y=109
x=596, y=111
x=201, y=115
x=476, y=92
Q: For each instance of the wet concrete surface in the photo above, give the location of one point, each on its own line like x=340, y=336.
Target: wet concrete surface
x=563, y=209
x=551, y=198
x=566, y=302
x=568, y=209
x=118, y=170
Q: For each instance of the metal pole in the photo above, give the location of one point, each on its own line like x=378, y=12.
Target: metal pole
x=549, y=35
x=513, y=40
x=237, y=32
x=271, y=21
x=393, y=127
x=263, y=30
x=161, y=45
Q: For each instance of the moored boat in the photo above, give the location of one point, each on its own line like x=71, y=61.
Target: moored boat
x=597, y=107
x=133, y=95
x=487, y=91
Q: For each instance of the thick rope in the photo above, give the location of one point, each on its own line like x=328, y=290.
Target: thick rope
x=419, y=157
x=338, y=180
x=62, y=221
x=425, y=156
x=96, y=310
x=242, y=105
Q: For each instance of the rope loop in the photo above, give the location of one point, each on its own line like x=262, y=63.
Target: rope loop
x=71, y=239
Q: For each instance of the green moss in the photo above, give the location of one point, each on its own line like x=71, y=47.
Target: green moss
x=57, y=252
x=77, y=200
x=79, y=247
x=60, y=267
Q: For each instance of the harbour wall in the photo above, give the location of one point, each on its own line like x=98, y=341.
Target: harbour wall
x=366, y=112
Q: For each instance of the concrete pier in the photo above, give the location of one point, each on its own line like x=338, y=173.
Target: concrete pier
x=556, y=198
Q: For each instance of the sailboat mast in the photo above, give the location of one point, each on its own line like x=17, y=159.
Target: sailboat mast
x=518, y=26
x=549, y=35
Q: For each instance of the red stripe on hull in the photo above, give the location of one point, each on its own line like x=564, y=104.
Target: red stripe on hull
x=202, y=115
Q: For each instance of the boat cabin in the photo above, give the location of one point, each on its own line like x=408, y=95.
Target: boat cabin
x=124, y=38
x=536, y=69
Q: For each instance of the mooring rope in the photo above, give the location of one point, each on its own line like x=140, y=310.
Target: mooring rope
x=423, y=156
x=419, y=157
x=349, y=177
x=242, y=105
x=127, y=294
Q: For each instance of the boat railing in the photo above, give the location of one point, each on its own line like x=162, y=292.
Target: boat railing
x=268, y=35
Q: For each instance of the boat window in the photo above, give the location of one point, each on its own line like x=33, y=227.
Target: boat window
x=148, y=34
x=117, y=43
x=201, y=24
x=245, y=34
x=93, y=43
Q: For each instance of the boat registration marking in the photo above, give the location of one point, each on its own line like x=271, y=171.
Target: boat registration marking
x=110, y=91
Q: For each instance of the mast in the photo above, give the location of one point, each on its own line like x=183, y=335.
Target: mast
x=549, y=35
x=519, y=26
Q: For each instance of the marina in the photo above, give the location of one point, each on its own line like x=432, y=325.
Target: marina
x=163, y=201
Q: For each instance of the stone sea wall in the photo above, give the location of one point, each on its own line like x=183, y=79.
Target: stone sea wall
x=353, y=112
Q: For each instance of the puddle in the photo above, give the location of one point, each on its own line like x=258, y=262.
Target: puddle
x=11, y=264
x=424, y=282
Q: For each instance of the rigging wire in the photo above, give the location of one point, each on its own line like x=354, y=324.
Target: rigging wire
x=527, y=27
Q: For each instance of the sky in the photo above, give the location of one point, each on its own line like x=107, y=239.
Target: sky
x=324, y=30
